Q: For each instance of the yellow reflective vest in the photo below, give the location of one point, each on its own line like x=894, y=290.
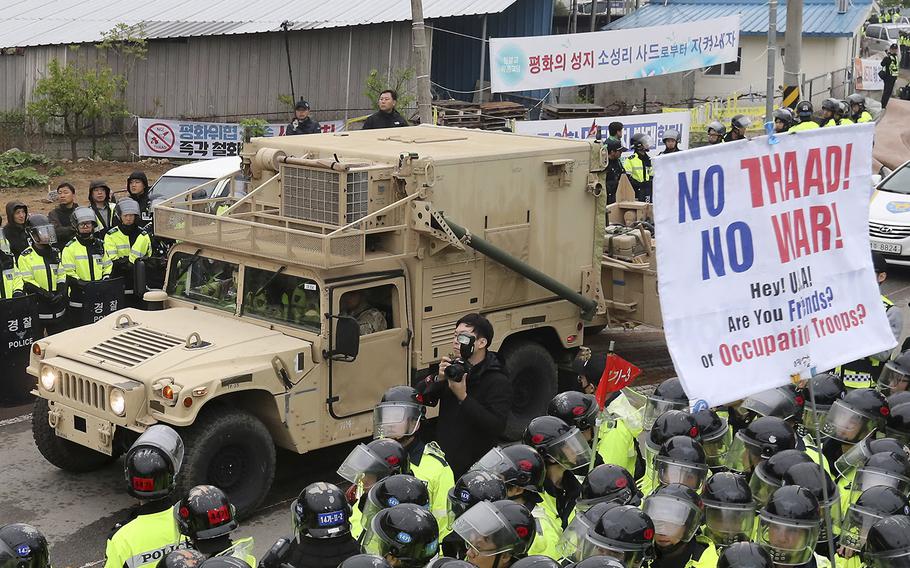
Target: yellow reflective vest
x=79, y=264
x=33, y=269
x=547, y=535
x=144, y=541
x=433, y=470
x=11, y=279
x=864, y=117
x=117, y=245
x=807, y=125
x=637, y=169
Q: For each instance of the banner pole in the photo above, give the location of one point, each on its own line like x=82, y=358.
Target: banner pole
x=829, y=532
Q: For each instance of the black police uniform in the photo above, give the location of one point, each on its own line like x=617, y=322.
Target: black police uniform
x=613, y=173
x=305, y=126
x=382, y=119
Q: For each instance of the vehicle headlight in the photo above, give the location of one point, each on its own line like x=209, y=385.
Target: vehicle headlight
x=117, y=401
x=48, y=378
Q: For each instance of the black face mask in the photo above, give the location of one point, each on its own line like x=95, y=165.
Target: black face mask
x=129, y=230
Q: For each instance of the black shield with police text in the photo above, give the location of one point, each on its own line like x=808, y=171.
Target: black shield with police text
x=100, y=298
x=19, y=329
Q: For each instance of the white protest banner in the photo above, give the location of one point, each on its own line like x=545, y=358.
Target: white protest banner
x=866, y=73
x=202, y=140
x=566, y=60
x=764, y=260
x=653, y=125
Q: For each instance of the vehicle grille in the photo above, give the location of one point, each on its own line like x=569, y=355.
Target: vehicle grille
x=133, y=347
x=314, y=195
x=79, y=389
x=451, y=284
x=882, y=231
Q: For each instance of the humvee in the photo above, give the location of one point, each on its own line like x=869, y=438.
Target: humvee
x=259, y=338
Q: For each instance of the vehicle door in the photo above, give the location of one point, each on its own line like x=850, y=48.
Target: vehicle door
x=383, y=360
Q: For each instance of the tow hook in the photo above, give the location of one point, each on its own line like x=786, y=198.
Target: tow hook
x=105, y=434
x=53, y=417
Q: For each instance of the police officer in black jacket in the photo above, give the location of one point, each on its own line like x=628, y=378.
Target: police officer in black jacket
x=474, y=394
x=386, y=116
x=302, y=123
x=614, y=169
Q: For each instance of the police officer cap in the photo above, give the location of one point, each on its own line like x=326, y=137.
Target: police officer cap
x=322, y=511
x=397, y=489
x=899, y=419
x=365, y=561
x=522, y=521
x=640, y=139
x=740, y=121
x=614, y=145
x=527, y=468
x=535, y=561
x=709, y=422
x=683, y=449
x=868, y=402
x=626, y=526
x=127, y=206
x=302, y=105
x=784, y=115
x=543, y=430
x=23, y=546
x=182, y=558
x=770, y=434
x=402, y=393
x=893, y=47
x=827, y=387
x=744, y=555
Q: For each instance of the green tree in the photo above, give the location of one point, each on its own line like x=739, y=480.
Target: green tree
x=401, y=82
x=76, y=99
x=127, y=45
x=253, y=127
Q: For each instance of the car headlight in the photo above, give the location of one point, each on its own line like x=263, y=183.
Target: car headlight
x=48, y=378
x=117, y=401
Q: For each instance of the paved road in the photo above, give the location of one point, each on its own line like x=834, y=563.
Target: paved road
x=76, y=512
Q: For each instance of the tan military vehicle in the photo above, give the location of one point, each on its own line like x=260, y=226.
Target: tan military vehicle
x=340, y=272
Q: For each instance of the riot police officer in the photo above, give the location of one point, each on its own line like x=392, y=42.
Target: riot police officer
x=471, y=488
x=569, y=545
x=535, y=561
x=671, y=142
x=398, y=416
x=858, y=111
x=682, y=460
x=668, y=425
x=608, y=482
x=639, y=167
x=10, y=279
x=852, y=418
x=830, y=108
x=716, y=436
x=729, y=509
x=42, y=274
x=783, y=120
x=716, y=131
x=843, y=114
x=150, y=468
x=182, y=558
x=322, y=530
x=406, y=535
x=761, y=439
x=624, y=532
x=394, y=490
x=744, y=555
x=367, y=464
x=888, y=543
x=738, y=126
x=804, y=112
x=810, y=476
x=564, y=450
x=898, y=423
x=126, y=243
x=789, y=526
x=365, y=561
x=768, y=475
x=872, y=504
x=827, y=387
x=205, y=517
x=23, y=546
x=677, y=514
x=497, y=534
x=83, y=258
x=668, y=395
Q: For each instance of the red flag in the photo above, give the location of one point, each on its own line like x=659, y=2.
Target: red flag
x=593, y=132
x=618, y=373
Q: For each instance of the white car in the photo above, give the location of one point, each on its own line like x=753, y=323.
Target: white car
x=182, y=178
x=889, y=216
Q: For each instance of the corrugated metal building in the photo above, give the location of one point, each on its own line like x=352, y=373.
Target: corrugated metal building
x=226, y=58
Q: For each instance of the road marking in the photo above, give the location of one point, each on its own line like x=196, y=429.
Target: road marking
x=16, y=420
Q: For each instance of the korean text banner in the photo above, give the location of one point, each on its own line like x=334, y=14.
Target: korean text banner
x=566, y=60
x=654, y=125
x=201, y=140
x=764, y=260
x=866, y=73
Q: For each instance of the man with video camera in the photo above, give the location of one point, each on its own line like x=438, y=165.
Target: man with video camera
x=474, y=394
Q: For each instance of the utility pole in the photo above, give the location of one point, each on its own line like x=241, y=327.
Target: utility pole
x=793, y=42
x=772, y=59
x=421, y=52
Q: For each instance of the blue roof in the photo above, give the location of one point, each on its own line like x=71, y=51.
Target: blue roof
x=820, y=17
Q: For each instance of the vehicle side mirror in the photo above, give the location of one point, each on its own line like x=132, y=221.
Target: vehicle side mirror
x=346, y=343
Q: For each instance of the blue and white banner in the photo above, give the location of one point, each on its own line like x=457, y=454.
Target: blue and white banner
x=654, y=125
x=566, y=60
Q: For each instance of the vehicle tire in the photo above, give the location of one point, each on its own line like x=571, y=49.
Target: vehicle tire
x=233, y=450
x=534, y=384
x=61, y=453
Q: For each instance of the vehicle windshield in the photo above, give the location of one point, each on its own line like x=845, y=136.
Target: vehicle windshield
x=281, y=298
x=898, y=183
x=204, y=281
x=169, y=186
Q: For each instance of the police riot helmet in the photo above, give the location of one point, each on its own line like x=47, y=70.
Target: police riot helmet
x=785, y=115
x=500, y=527
x=406, y=532
x=399, y=413
x=896, y=399
x=522, y=522
x=23, y=546
x=395, y=490
x=182, y=558
x=759, y=440
x=744, y=555
x=640, y=140
x=681, y=460
x=810, y=475
x=83, y=215
x=898, y=424
x=741, y=122
x=535, y=561
x=127, y=206
x=374, y=461
x=831, y=105
x=857, y=455
x=716, y=435
x=729, y=508
x=472, y=488
x=769, y=474
x=668, y=395
x=599, y=562
x=804, y=110
x=225, y=562
x=518, y=465
x=570, y=541
x=784, y=402
x=40, y=230
x=857, y=415
x=895, y=376
x=365, y=561
x=676, y=511
x=789, y=525
x=321, y=511
x=449, y=562
x=576, y=408
x=872, y=504
x=623, y=530
x=608, y=482
x=716, y=127
x=885, y=468
x=205, y=513
x=671, y=134
x=888, y=543
x=153, y=462
x=558, y=442
x=827, y=387
x=670, y=424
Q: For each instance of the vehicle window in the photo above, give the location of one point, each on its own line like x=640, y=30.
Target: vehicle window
x=281, y=298
x=872, y=31
x=373, y=308
x=203, y=281
x=169, y=186
x=899, y=182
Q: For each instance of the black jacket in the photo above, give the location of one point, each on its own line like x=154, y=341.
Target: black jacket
x=309, y=552
x=305, y=126
x=60, y=218
x=145, y=203
x=613, y=173
x=466, y=430
x=15, y=234
x=380, y=119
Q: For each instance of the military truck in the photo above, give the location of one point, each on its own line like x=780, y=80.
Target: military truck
x=289, y=309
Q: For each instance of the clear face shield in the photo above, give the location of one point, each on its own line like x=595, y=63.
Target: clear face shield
x=675, y=520
x=43, y=234
x=363, y=467
x=165, y=439
x=572, y=538
x=853, y=458
x=716, y=447
x=396, y=419
x=892, y=379
x=896, y=559
x=654, y=407
x=485, y=530
x=762, y=485
x=743, y=455
x=773, y=402
x=726, y=523
x=832, y=508
x=495, y=462
x=811, y=414
x=855, y=527
x=571, y=450
x=867, y=478
x=631, y=557
x=789, y=542
x=846, y=425
x=667, y=471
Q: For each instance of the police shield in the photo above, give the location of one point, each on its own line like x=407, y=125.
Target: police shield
x=19, y=329
x=98, y=299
